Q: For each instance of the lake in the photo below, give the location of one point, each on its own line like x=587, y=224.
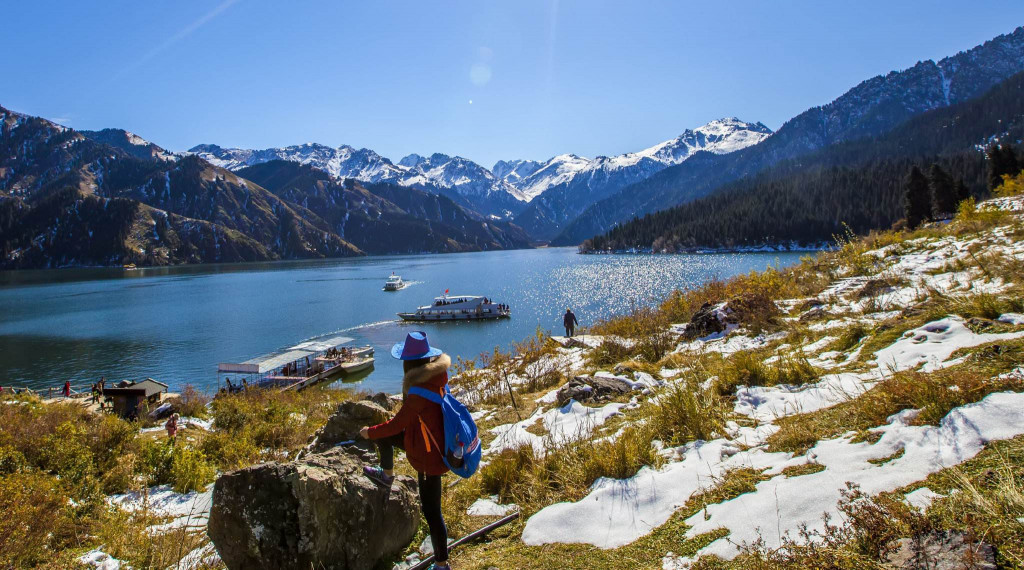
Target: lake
x=175, y=324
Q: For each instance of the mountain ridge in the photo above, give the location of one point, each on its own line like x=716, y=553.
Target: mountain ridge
x=870, y=108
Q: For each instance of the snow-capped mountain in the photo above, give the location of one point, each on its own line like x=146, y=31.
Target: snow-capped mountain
x=512, y=171
x=343, y=162
x=457, y=177
x=509, y=189
x=464, y=176
x=720, y=137
x=567, y=184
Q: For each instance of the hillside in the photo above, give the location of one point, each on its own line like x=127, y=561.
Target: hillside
x=384, y=218
x=830, y=415
x=852, y=186
x=110, y=198
x=872, y=108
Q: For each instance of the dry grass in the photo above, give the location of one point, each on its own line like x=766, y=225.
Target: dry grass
x=683, y=412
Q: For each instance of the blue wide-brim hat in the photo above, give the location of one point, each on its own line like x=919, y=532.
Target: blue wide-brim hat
x=414, y=347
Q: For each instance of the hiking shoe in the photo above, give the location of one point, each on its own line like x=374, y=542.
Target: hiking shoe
x=378, y=475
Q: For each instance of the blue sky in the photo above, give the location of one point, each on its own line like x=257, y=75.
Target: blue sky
x=482, y=79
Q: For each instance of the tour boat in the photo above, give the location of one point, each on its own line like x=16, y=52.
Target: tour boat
x=394, y=283
x=459, y=307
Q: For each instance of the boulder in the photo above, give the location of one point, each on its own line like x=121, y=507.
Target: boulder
x=623, y=369
x=813, y=314
x=942, y=550
x=320, y=512
x=345, y=422
x=592, y=389
x=706, y=321
x=386, y=401
x=751, y=309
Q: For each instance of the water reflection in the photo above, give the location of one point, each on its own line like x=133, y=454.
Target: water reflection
x=176, y=324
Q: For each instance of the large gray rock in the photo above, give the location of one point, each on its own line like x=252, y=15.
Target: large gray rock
x=320, y=512
x=345, y=423
x=942, y=550
x=386, y=401
x=705, y=321
x=592, y=389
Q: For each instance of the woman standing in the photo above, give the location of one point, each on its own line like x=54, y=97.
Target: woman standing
x=172, y=427
x=417, y=428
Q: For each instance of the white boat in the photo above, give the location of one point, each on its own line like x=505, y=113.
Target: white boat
x=459, y=307
x=394, y=283
x=301, y=366
x=356, y=365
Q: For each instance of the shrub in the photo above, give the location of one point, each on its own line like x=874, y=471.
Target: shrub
x=65, y=453
x=192, y=403
x=190, y=470
x=609, y=353
x=11, y=460
x=34, y=521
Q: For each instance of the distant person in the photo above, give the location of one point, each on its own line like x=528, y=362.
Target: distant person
x=417, y=419
x=172, y=427
x=67, y=389
x=570, y=322
x=231, y=387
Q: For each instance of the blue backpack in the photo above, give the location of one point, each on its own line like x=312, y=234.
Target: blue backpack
x=462, y=450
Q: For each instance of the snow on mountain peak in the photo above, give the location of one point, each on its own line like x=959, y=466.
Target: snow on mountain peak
x=720, y=136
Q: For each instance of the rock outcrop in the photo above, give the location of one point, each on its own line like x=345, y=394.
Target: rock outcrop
x=320, y=512
x=752, y=310
x=345, y=422
x=706, y=321
x=592, y=389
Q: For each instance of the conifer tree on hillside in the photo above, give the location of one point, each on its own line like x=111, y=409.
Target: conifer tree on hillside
x=1001, y=160
x=944, y=197
x=917, y=203
x=961, y=191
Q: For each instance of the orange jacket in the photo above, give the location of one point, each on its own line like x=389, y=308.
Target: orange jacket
x=423, y=454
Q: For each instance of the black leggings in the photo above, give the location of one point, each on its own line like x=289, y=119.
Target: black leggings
x=430, y=495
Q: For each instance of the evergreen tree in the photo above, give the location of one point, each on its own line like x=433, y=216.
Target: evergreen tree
x=961, y=191
x=917, y=204
x=1001, y=160
x=944, y=198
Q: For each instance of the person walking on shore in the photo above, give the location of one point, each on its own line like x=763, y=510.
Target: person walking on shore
x=416, y=428
x=570, y=322
x=67, y=389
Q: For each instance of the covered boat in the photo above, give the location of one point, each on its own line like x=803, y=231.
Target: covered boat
x=459, y=307
x=300, y=366
x=394, y=283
